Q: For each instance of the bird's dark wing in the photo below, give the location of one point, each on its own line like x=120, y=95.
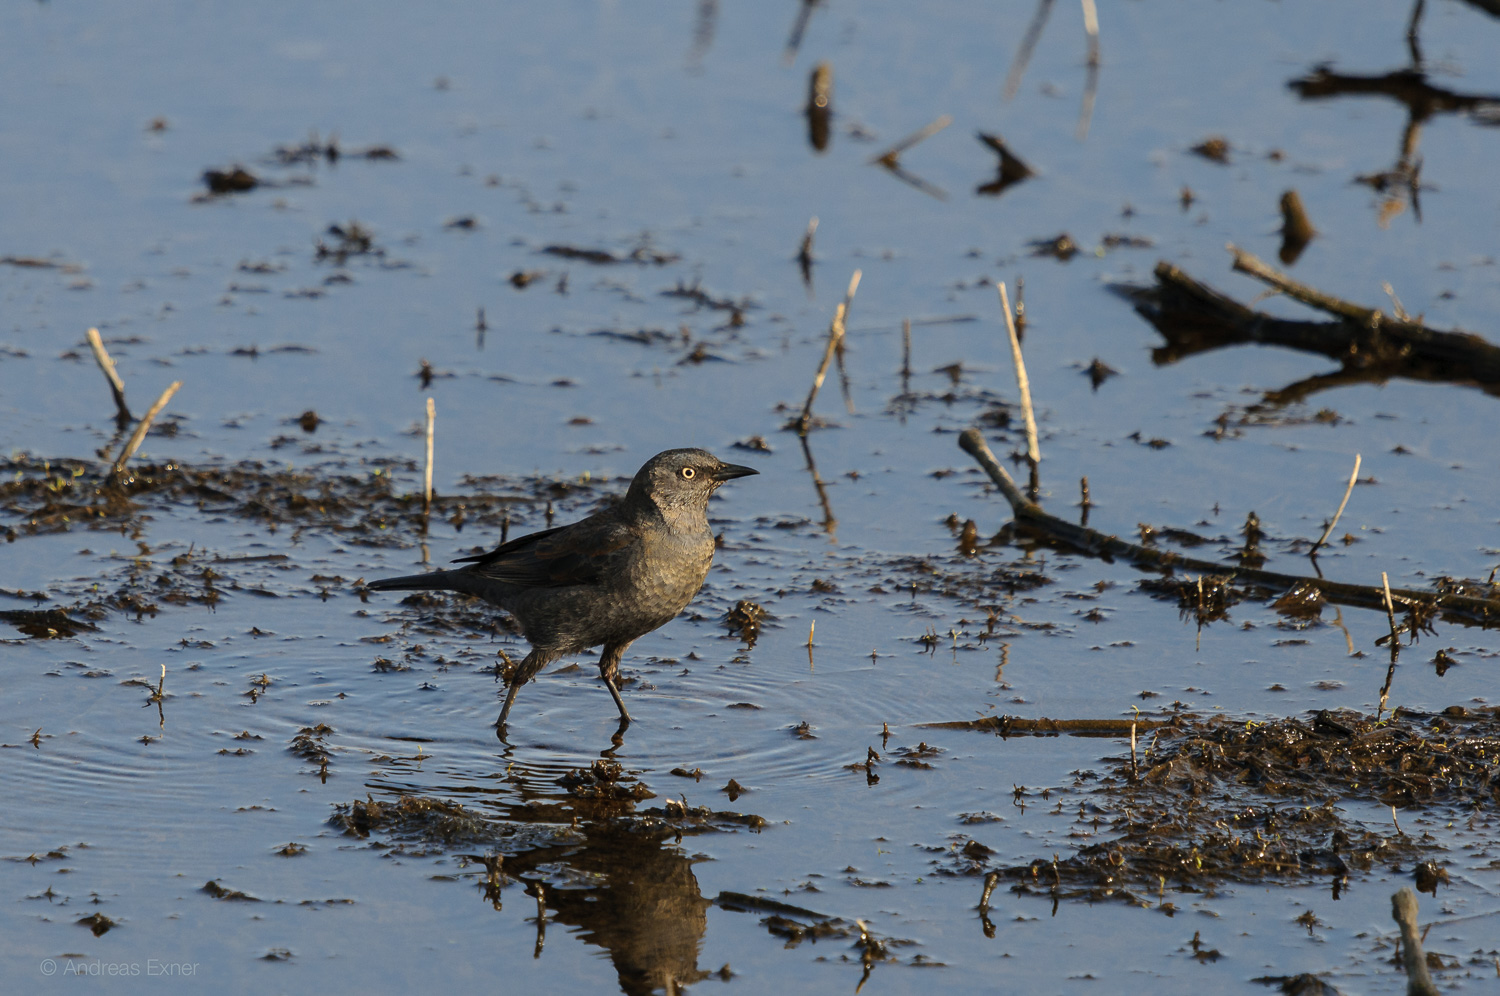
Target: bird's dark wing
x=555, y=558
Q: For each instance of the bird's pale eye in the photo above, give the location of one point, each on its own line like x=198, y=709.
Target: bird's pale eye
x=688, y=473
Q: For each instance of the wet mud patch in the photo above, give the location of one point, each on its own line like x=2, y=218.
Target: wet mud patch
x=1206, y=804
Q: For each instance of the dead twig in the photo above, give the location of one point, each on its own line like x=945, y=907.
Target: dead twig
x=1246, y=262
x=891, y=158
x=1465, y=608
x=1353, y=476
x=1413, y=959
x=139, y=435
x=1369, y=345
x=1023, y=383
x=427, y=474
x=1395, y=638
x=835, y=336
x=116, y=385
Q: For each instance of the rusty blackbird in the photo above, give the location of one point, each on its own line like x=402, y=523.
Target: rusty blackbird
x=610, y=578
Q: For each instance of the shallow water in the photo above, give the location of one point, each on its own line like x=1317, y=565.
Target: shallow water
x=595, y=126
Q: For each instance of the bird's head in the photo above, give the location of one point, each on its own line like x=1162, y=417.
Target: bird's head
x=679, y=479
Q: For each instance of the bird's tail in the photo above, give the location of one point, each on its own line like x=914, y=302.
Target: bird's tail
x=435, y=581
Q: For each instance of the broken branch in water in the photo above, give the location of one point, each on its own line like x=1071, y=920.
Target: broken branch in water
x=1008, y=726
x=1455, y=605
x=116, y=385
x=892, y=157
x=139, y=435
x=1413, y=959
x=1371, y=345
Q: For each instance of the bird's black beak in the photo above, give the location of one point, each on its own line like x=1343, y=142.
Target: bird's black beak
x=730, y=471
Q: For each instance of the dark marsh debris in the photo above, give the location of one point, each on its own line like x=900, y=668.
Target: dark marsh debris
x=641, y=255
x=744, y=621
x=1214, y=149
x=1011, y=170
x=1216, y=802
x=235, y=180
x=348, y=240
x=98, y=923
x=1061, y=247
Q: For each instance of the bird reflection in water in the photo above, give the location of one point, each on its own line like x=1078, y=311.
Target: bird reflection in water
x=631, y=892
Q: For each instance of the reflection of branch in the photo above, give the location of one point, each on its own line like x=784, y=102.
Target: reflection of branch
x=1422, y=101
x=798, y=26
x=830, y=523
x=1029, y=515
x=916, y=181
x=703, y=33
x=1406, y=86
x=1028, y=45
x=1091, y=83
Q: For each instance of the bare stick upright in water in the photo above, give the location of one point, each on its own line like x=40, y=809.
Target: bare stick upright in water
x=116, y=385
x=835, y=336
x=1023, y=383
x=139, y=435
x=1353, y=476
x=427, y=476
x=1413, y=958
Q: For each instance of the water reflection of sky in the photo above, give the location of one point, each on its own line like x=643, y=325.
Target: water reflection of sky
x=603, y=126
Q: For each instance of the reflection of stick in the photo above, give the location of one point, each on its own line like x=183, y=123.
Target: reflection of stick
x=798, y=27
x=427, y=477
x=891, y=157
x=1404, y=912
x=905, y=355
x=1028, y=44
x=804, y=254
x=139, y=435
x=830, y=523
x=1091, y=83
x=116, y=385
x=1353, y=476
x=1033, y=451
x=835, y=334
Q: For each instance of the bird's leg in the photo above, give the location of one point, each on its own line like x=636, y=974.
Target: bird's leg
x=523, y=673
x=609, y=670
